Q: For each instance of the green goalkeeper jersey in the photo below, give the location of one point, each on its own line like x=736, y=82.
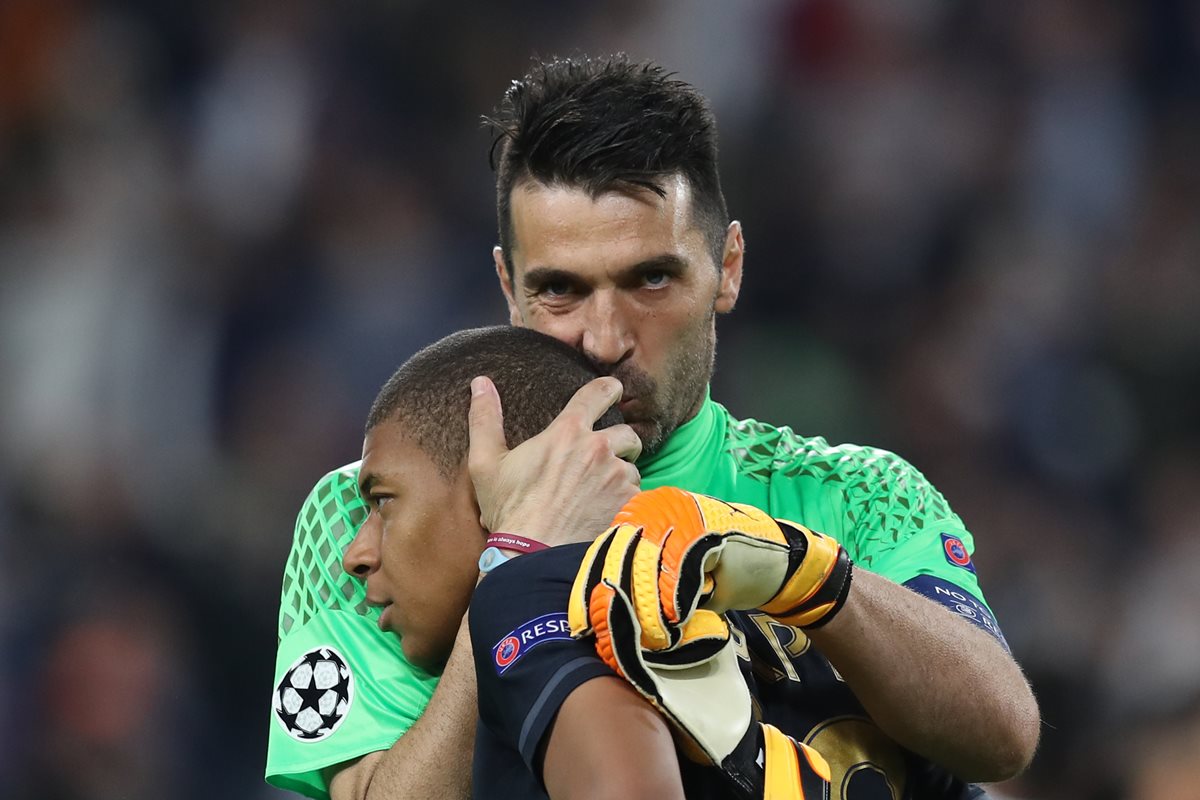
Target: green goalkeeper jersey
x=886, y=514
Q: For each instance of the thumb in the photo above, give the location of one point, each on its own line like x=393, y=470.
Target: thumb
x=485, y=427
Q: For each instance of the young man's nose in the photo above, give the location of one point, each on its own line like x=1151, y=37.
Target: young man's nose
x=362, y=556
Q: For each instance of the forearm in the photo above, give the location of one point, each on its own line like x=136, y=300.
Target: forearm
x=433, y=758
x=936, y=684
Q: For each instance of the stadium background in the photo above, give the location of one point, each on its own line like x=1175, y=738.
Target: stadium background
x=974, y=238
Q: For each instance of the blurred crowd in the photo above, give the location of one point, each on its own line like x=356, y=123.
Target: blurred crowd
x=973, y=237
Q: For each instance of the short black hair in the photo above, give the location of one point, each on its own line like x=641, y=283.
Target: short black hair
x=430, y=395
x=605, y=124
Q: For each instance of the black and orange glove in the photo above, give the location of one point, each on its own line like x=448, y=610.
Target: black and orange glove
x=688, y=551
x=697, y=684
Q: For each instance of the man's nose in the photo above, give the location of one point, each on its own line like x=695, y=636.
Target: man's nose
x=362, y=556
x=607, y=339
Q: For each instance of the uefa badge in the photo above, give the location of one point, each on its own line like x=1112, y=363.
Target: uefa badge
x=514, y=644
x=956, y=552
x=314, y=695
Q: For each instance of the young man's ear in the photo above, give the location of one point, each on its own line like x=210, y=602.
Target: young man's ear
x=731, y=269
x=465, y=493
x=514, y=314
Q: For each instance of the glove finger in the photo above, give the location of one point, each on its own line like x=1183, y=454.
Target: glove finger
x=665, y=515
x=628, y=555
x=686, y=576
x=586, y=578
x=656, y=511
x=701, y=639
x=616, y=567
x=622, y=633
x=657, y=634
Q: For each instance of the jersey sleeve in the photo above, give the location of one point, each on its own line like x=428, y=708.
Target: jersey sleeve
x=526, y=663
x=342, y=686
x=909, y=534
x=893, y=522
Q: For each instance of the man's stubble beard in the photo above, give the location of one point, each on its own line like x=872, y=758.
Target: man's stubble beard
x=669, y=403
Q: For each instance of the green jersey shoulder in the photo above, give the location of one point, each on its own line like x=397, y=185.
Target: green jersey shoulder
x=886, y=514
x=872, y=500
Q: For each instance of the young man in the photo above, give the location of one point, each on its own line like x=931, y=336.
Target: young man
x=326, y=620
x=614, y=238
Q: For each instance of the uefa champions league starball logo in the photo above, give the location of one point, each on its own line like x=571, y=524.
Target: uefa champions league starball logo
x=314, y=695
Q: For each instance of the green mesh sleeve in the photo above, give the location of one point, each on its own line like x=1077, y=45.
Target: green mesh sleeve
x=313, y=578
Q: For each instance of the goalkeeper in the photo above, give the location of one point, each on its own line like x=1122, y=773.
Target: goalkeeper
x=615, y=239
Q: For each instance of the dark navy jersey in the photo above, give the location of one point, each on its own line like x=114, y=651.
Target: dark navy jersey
x=526, y=664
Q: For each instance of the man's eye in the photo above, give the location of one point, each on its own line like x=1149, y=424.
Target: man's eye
x=555, y=289
x=656, y=279
x=377, y=501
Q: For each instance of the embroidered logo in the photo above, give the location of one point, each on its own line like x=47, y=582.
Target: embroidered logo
x=956, y=552
x=524, y=638
x=314, y=695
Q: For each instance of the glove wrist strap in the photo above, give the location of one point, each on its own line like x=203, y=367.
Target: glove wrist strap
x=823, y=603
x=842, y=594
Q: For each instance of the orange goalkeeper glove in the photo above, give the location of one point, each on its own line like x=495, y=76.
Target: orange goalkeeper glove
x=693, y=551
x=703, y=695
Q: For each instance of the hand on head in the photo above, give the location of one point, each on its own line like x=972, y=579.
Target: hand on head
x=563, y=485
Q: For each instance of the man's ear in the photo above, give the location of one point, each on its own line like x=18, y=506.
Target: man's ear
x=514, y=314
x=731, y=269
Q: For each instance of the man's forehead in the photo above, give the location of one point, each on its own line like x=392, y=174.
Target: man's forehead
x=676, y=193
x=560, y=226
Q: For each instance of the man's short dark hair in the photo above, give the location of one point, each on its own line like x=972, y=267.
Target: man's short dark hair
x=603, y=125
x=430, y=395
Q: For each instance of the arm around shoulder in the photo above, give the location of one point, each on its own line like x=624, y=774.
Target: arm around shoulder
x=433, y=758
x=935, y=683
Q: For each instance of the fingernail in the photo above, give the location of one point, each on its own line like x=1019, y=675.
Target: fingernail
x=477, y=386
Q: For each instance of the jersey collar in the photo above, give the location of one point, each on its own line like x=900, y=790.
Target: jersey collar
x=688, y=450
